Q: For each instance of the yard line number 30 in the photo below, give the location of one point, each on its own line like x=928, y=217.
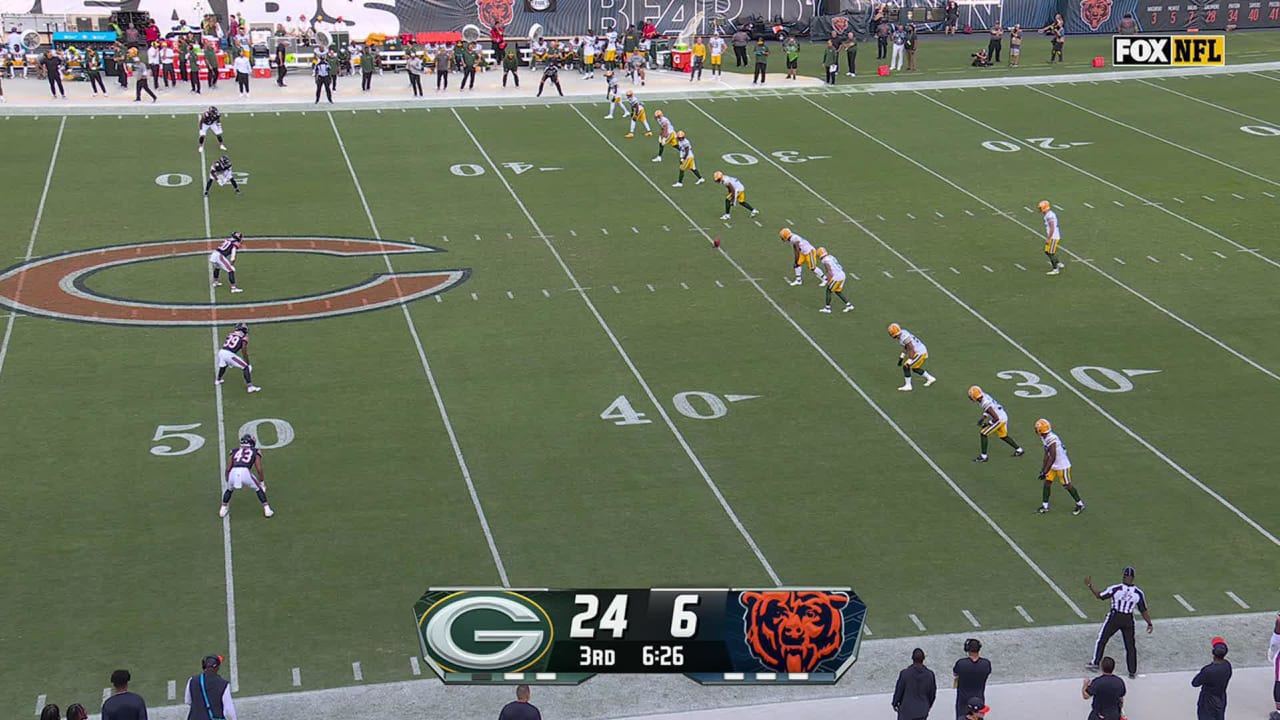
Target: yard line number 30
x=1098, y=379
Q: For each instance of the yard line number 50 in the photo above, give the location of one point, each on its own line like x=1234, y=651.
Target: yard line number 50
x=172, y=435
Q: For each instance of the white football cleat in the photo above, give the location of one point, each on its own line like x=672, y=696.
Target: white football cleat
x=267, y=511
x=906, y=388
x=217, y=283
x=222, y=511
x=825, y=310
x=656, y=159
x=1054, y=271
x=223, y=147
x=724, y=216
x=218, y=381
x=847, y=308
x=236, y=289
x=755, y=213
x=679, y=184
x=795, y=282
x=253, y=389
x=700, y=181
x=930, y=381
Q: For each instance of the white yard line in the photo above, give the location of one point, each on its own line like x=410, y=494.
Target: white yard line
x=1183, y=602
x=1213, y=105
x=431, y=377
x=1153, y=136
x=1100, y=179
x=875, y=407
x=915, y=620
x=228, y=568
x=31, y=244
x=1116, y=281
x=626, y=358
x=1018, y=346
x=1236, y=599
x=972, y=620
x=1023, y=612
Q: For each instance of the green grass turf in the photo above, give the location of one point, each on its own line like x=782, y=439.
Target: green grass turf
x=947, y=58
x=115, y=555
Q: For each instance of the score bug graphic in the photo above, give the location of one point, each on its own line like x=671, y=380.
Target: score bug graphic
x=713, y=636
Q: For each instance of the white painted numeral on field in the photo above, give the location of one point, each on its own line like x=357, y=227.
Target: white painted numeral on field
x=1003, y=146
x=1260, y=130
x=715, y=406
x=174, y=432
x=283, y=430
x=621, y=413
x=1029, y=380
x=1118, y=382
x=789, y=156
x=242, y=178
x=1048, y=144
x=173, y=180
x=1044, y=143
x=466, y=170
x=518, y=167
x=740, y=158
x=1094, y=377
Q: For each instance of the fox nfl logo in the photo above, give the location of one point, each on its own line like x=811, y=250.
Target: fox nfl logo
x=1169, y=50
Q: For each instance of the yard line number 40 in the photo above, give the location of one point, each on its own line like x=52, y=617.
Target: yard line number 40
x=172, y=435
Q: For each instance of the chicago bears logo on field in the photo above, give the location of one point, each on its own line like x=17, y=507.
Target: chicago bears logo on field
x=792, y=631
x=495, y=12
x=1095, y=12
x=839, y=24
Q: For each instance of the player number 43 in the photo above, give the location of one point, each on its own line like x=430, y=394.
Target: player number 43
x=177, y=440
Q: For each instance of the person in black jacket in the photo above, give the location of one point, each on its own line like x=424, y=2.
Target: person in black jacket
x=1106, y=692
x=916, y=690
x=971, y=673
x=282, y=46
x=208, y=694
x=53, y=70
x=1212, y=681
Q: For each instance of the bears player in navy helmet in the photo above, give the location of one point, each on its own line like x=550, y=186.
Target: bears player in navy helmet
x=224, y=258
x=211, y=119
x=244, y=470
x=235, y=353
x=221, y=171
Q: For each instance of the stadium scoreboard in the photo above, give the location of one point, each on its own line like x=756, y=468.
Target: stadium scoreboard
x=713, y=636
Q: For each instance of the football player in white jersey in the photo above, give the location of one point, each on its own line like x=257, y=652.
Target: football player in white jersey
x=637, y=116
x=805, y=255
x=833, y=280
x=1052, y=236
x=1056, y=468
x=736, y=194
x=611, y=93
x=666, y=133
x=912, y=358
x=716, y=48
x=994, y=420
x=687, y=163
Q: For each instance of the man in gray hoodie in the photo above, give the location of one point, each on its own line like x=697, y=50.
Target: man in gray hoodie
x=916, y=690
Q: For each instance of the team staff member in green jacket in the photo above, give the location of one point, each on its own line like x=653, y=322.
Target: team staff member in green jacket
x=831, y=62
x=511, y=64
x=762, y=62
x=193, y=66
x=211, y=63
x=468, y=54
x=368, y=63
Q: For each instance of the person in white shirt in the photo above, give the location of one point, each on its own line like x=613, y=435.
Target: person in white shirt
x=153, y=61
x=716, y=48
x=244, y=68
x=167, y=55
x=1052, y=236
x=15, y=42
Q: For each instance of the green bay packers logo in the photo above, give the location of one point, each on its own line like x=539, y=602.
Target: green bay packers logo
x=57, y=287
x=484, y=631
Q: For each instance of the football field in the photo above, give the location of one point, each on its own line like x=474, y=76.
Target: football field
x=599, y=396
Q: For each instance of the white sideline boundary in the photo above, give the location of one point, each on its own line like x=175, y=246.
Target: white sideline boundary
x=1173, y=465
x=426, y=369
x=617, y=344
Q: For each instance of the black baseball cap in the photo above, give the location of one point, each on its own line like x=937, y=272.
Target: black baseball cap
x=211, y=662
x=977, y=706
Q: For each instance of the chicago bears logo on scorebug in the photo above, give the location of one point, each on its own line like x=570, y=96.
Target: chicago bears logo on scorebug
x=55, y=286
x=794, y=631
x=484, y=631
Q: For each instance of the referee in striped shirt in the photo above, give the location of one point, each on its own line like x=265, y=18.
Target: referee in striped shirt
x=1124, y=597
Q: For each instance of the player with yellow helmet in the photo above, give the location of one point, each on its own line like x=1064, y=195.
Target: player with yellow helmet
x=637, y=115
x=666, y=133
x=736, y=195
x=805, y=255
x=994, y=420
x=1052, y=236
x=912, y=358
x=833, y=278
x=687, y=163
x=1056, y=468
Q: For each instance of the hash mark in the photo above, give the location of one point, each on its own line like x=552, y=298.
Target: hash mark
x=684, y=285
x=1206, y=197
x=1024, y=207
x=1118, y=260
x=545, y=293
x=171, y=690
x=473, y=296
x=1118, y=203
x=1215, y=252
x=1152, y=259
x=1236, y=599
x=356, y=672
x=666, y=229
x=887, y=274
x=1186, y=256
x=913, y=217
x=439, y=299
x=509, y=236
x=634, y=230
x=297, y=677
x=1020, y=266
x=966, y=212
x=972, y=620
x=719, y=284
x=616, y=291
x=1023, y=612
x=650, y=287
x=1088, y=205
x=414, y=666
x=510, y=296
x=988, y=268
x=604, y=230
x=445, y=238
x=758, y=223
x=1237, y=196
x=40, y=699
x=1264, y=192
x=916, y=620
x=574, y=233
x=1183, y=602
x=955, y=271
x=477, y=236
x=881, y=217
x=1179, y=201
x=935, y=212
x=821, y=221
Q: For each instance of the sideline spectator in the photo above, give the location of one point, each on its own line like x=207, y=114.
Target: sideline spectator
x=1273, y=656
x=980, y=58
x=414, y=66
x=152, y=33
x=244, y=68
x=916, y=689
x=166, y=65
x=53, y=71
x=899, y=47
x=850, y=48
x=153, y=58
x=444, y=60
x=1015, y=45
x=211, y=64
x=1127, y=26
x=1057, y=33
x=498, y=38
x=831, y=62
x=911, y=42
x=791, y=50
x=208, y=694
x=883, y=29
x=15, y=42
x=993, y=45
x=510, y=65
x=762, y=62
x=50, y=712
x=716, y=48
x=76, y=711
x=952, y=11
x=740, y=39
x=1107, y=692
x=368, y=63
x=970, y=677
x=193, y=63
x=520, y=708
x=123, y=704
x=1212, y=681
x=282, y=68
x=93, y=71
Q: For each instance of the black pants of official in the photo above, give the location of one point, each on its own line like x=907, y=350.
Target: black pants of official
x=740, y=56
x=366, y=81
x=415, y=84
x=281, y=71
x=852, y=56
x=1122, y=623
x=95, y=82
x=759, y=73
x=55, y=84
x=882, y=47
x=993, y=50
x=142, y=86
x=544, y=82
x=323, y=85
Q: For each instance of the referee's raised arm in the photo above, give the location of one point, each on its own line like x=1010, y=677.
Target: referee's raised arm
x=1125, y=597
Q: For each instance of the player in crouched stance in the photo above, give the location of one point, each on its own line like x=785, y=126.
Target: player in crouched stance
x=994, y=420
x=221, y=172
x=832, y=278
x=224, y=258
x=210, y=120
x=244, y=470
x=637, y=116
x=235, y=353
x=805, y=257
x=1056, y=468
x=736, y=194
x=666, y=134
x=912, y=358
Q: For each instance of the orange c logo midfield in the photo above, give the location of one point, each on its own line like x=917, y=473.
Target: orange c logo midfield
x=54, y=286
